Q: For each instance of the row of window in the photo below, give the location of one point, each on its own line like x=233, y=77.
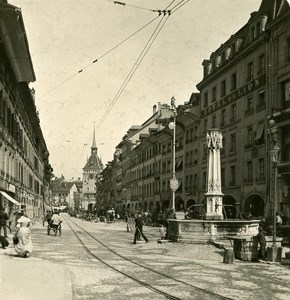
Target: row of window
x=191, y=181
x=229, y=85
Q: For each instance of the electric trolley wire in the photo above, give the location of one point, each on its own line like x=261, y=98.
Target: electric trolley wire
x=129, y=5
x=179, y=5
x=133, y=69
x=97, y=59
x=139, y=60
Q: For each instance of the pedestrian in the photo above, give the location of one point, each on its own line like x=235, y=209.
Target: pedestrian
x=284, y=219
x=139, y=228
x=4, y=243
x=19, y=213
x=56, y=220
x=10, y=215
x=162, y=232
x=3, y=218
x=23, y=244
x=48, y=217
x=262, y=243
x=278, y=219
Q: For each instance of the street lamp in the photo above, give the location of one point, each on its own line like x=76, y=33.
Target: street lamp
x=274, y=154
x=173, y=181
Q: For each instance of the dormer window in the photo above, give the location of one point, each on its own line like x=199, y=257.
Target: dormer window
x=253, y=33
x=217, y=61
x=227, y=53
x=238, y=44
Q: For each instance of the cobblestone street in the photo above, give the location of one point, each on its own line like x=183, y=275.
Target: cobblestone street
x=63, y=264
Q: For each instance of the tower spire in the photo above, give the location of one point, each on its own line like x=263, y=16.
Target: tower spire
x=94, y=145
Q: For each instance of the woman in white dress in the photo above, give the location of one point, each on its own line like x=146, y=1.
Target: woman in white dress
x=24, y=246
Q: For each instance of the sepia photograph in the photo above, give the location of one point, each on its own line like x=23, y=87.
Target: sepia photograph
x=144, y=149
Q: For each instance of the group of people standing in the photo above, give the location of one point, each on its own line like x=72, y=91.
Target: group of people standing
x=21, y=238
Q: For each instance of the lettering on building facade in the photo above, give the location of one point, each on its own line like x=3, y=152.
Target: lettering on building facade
x=240, y=92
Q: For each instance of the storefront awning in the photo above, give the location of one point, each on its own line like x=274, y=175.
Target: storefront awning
x=10, y=198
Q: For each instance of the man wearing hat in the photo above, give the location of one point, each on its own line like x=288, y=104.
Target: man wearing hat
x=139, y=228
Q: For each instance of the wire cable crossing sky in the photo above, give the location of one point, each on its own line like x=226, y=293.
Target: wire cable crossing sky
x=71, y=96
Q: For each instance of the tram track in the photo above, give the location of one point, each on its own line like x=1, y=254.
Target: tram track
x=156, y=281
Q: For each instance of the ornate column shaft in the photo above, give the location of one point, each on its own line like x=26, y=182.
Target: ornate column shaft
x=214, y=192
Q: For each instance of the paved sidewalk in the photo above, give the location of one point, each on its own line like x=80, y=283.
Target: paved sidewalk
x=32, y=278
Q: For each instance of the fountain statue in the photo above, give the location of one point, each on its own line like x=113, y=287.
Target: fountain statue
x=213, y=227
x=214, y=193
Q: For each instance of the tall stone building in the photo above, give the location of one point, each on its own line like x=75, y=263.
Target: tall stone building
x=246, y=83
x=25, y=171
x=91, y=171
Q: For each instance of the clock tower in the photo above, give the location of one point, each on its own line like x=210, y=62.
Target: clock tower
x=91, y=170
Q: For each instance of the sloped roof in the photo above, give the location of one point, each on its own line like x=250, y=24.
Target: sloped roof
x=274, y=8
x=16, y=43
x=93, y=163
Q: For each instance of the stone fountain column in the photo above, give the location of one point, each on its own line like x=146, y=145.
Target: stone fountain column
x=214, y=193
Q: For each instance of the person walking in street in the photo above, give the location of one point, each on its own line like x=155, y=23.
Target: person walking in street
x=3, y=219
x=139, y=228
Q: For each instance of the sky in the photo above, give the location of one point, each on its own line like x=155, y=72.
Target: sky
x=66, y=36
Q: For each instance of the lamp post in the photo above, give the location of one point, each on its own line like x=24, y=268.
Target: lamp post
x=274, y=154
x=173, y=181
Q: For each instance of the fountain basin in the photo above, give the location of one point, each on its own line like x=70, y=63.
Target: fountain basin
x=204, y=231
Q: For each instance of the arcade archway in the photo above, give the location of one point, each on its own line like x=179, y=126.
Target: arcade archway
x=229, y=208
x=179, y=204
x=90, y=207
x=255, y=205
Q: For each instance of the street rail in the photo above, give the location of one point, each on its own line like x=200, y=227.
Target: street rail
x=154, y=275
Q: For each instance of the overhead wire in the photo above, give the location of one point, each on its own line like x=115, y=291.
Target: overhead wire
x=132, y=71
x=97, y=59
x=129, y=5
x=139, y=60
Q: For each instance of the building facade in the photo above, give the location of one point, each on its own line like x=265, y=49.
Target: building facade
x=240, y=93
x=246, y=83
x=25, y=171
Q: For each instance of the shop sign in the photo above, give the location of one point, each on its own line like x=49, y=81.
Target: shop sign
x=240, y=92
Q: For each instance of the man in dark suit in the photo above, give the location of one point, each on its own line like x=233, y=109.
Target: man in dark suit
x=3, y=218
x=139, y=228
